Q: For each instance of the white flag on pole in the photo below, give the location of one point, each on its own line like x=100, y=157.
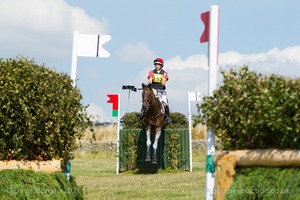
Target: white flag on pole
x=194, y=96
x=87, y=45
x=90, y=45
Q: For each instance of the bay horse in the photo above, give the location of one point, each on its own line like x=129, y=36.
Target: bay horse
x=154, y=117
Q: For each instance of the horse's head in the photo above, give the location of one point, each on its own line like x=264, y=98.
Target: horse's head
x=147, y=96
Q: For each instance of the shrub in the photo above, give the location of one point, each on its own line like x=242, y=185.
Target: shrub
x=131, y=121
x=173, y=150
x=252, y=111
x=178, y=120
x=40, y=112
x=133, y=149
x=129, y=150
x=129, y=145
x=261, y=183
x=27, y=184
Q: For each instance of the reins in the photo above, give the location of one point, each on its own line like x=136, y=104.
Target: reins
x=151, y=104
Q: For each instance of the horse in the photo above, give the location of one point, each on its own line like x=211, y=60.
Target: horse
x=154, y=117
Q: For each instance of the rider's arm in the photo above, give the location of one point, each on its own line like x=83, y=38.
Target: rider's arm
x=164, y=81
x=166, y=77
x=150, y=74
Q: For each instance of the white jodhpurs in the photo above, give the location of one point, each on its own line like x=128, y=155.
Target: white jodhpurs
x=162, y=96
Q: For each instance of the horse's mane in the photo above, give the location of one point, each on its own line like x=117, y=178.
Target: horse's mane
x=149, y=85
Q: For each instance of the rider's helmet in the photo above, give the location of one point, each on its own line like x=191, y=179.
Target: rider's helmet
x=159, y=61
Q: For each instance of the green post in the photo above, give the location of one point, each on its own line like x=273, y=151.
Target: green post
x=68, y=167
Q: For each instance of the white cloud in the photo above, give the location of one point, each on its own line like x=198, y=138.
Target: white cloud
x=97, y=112
x=284, y=62
x=83, y=23
x=136, y=53
x=191, y=74
x=194, y=61
x=43, y=29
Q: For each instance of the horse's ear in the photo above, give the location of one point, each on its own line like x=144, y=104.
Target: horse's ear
x=143, y=85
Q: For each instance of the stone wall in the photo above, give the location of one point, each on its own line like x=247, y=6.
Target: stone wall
x=96, y=147
x=110, y=147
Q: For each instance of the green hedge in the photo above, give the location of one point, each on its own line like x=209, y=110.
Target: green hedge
x=261, y=184
x=172, y=151
x=173, y=148
x=41, y=114
x=27, y=184
x=252, y=111
x=131, y=121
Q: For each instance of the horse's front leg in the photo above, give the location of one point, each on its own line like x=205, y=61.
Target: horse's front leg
x=148, y=143
x=155, y=144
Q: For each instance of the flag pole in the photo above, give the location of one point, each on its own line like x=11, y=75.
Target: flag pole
x=212, y=85
x=118, y=136
x=190, y=130
x=74, y=57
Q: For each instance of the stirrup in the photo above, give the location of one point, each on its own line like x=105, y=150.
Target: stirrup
x=140, y=115
x=168, y=120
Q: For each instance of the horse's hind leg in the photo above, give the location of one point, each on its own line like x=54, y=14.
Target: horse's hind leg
x=148, y=143
x=155, y=144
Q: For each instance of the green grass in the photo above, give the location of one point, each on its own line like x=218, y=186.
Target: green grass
x=27, y=184
x=97, y=175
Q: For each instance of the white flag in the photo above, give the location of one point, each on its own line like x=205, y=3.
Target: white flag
x=90, y=45
x=194, y=96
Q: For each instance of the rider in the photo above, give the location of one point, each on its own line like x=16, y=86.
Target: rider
x=158, y=78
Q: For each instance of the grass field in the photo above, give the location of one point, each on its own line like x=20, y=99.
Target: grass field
x=97, y=175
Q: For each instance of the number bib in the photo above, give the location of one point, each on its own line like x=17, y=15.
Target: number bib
x=157, y=78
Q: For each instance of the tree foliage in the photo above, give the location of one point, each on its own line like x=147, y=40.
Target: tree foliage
x=41, y=114
x=265, y=183
x=254, y=111
x=131, y=121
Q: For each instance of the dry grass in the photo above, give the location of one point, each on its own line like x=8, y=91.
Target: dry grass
x=199, y=132
x=101, y=133
x=109, y=133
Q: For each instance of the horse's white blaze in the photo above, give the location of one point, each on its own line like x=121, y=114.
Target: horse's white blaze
x=157, y=135
x=148, y=137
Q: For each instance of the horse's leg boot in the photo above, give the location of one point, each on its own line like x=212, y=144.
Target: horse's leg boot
x=154, y=157
x=148, y=159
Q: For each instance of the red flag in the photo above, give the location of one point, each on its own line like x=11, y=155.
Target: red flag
x=114, y=99
x=205, y=35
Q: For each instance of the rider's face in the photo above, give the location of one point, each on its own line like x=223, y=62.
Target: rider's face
x=158, y=66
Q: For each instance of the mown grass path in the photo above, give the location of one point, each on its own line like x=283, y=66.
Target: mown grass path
x=96, y=173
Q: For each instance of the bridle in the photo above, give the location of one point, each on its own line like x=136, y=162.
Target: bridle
x=148, y=98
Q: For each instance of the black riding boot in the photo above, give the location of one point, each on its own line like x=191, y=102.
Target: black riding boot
x=167, y=112
x=140, y=115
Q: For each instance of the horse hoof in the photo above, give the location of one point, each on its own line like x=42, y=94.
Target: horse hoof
x=148, y=159
x=154, y=160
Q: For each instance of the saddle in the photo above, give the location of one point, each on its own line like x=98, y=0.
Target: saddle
x=164, y=105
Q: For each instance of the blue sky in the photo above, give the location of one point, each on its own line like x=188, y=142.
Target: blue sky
x=264, y=35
